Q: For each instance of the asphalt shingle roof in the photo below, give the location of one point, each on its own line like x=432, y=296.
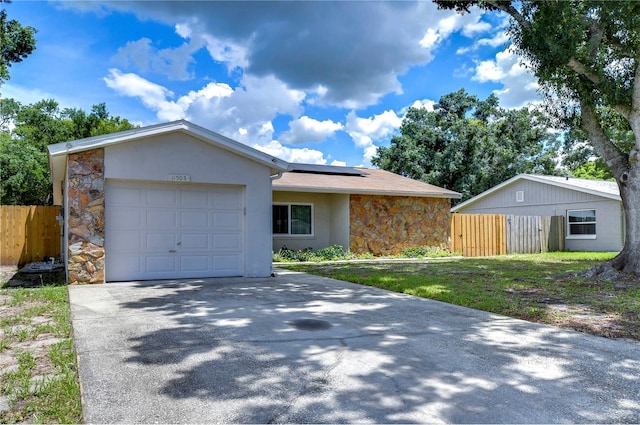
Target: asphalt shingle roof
x=371, y=182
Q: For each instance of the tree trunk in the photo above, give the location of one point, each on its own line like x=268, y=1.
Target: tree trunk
x=626, y=170
x=628, y=261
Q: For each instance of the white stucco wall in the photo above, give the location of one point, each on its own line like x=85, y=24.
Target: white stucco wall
x=330, y=216
x=154, y=159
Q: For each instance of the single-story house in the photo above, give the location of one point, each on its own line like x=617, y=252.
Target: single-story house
x=166, y=201
x=364, y=210
x=175, y=200
x=594, y=217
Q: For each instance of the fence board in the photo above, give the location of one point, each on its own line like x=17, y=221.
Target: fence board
x=29, y=233
x=476, y=235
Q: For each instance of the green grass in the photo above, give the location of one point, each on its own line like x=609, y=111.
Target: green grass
x=43, y=386
x=522, y=286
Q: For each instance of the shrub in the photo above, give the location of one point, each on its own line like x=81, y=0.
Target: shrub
x=285, y=254
x=425, y=251
x=330, y=253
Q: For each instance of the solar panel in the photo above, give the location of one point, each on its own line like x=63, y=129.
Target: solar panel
x=325, y=169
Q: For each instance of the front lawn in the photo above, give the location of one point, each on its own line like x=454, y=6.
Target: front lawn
x=537, y=287
x=38, y=370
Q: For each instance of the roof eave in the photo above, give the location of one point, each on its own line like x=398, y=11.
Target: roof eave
x=365, y=192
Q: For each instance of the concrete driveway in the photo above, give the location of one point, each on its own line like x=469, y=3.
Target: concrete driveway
x=304, y=349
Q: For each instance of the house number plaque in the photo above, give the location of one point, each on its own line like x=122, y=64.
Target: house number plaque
x=179, y=178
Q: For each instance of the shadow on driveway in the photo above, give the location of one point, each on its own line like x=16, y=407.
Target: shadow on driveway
x=304, y=349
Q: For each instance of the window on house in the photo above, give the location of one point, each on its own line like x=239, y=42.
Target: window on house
x=520, y=196
x=292, y=219
x=581, y=223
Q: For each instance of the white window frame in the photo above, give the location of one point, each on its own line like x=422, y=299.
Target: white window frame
x=593, y=236
x=289, y=234
x=520, y=196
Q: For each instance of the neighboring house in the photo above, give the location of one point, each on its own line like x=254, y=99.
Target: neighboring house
x=166, y=201
x=176, y=200
x=364, y=210
x=594, y=218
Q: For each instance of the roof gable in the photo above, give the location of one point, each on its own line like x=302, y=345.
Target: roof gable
x=58, y=151
x=601, y=188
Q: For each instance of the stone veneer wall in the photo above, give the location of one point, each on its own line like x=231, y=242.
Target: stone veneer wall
x=86, y=217
x=385, y=225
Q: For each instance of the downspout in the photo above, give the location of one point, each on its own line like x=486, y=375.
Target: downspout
x=273, y=177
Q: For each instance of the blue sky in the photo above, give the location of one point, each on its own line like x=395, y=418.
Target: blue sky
x=317, y=82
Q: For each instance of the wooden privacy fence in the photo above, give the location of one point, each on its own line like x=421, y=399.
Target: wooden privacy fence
x=476, y=235
x=29, y=233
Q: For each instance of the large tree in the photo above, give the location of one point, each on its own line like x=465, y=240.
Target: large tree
x=587, y=53
x=17, y=42
x=469, y=145
x=24, y=168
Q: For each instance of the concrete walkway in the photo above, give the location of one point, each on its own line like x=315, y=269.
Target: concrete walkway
x=304, y=349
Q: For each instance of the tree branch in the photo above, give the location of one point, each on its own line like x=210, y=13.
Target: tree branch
x=511, y=11
x=634, y=113
x=615, y=159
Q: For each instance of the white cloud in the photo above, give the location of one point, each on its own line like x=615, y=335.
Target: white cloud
x=500, y=39
x=305, y=155
x=519, y=85
x=172, y=62
x=153, y=96
x=364, y=131
x=306, y=129
x=427, y=104
x=243, y=113
x=474, y=28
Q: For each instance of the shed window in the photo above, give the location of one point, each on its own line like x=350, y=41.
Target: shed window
x=581, y=223
x=520, y=196
x=292, y=219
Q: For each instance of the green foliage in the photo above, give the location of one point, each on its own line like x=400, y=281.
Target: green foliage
x=333, y=252
x=337, y=252
x=17, y=43
x=593, y=170
x=469, y=145
x=285, y=254
x=25, y=133
x=24, y=173
x=425, y=251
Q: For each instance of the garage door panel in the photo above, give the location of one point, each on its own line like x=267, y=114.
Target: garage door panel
x=194, y=199
x=129, y=218
x=161, y=198
x=163, y=242
x=126, y=196
x=226, y=263
x=195, y=263
x=227, y=198
x=190, y=241
x=228, y=220
x=194, y=219
x=227, y=242
x=161, y=218
x=160, y=263
x=166, y=230
x=124, y=241
x=119, y=262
